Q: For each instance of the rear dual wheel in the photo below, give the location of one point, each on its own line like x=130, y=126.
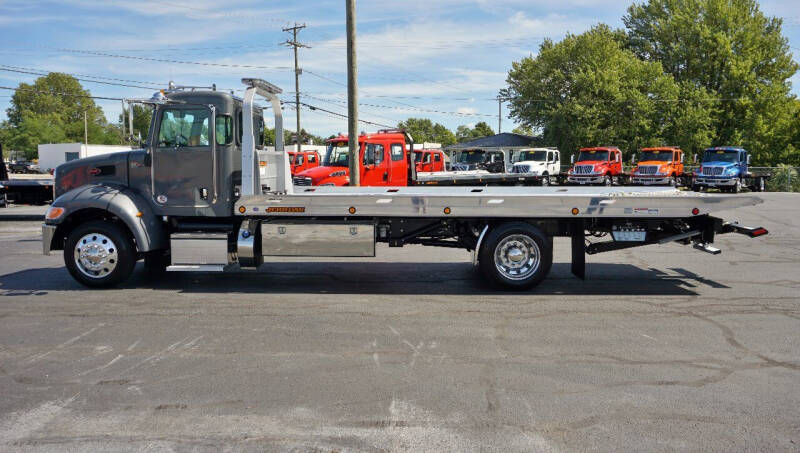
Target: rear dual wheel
x=515, y=255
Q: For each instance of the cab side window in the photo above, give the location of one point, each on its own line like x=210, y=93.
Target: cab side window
x=373, y=154
x=437, y=157
x=397, y=152
x=312, y=158
x=181, y=128
x=224, y=130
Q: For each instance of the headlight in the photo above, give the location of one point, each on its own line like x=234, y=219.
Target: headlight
x=336, y=174
x=730, y=171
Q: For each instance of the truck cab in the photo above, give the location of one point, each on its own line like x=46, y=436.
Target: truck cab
x=429, y=160
x=538, y=161
x=303, y=160
x=383, y=161
x=659, y=166
x=481, y=160
x=599, y=165
x=726, y=168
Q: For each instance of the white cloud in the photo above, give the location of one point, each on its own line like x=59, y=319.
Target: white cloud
x=467, y=110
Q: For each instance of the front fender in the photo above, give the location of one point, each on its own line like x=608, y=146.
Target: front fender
x=128, y=206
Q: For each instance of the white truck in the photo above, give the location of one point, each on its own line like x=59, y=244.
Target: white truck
x=544, y=162
x=194, y=176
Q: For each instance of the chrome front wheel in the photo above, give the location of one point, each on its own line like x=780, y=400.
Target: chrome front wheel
x=96, y=255
x=99, y=253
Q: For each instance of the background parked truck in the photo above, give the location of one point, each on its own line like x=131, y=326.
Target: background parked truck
x=660, y=166
x=727, y=168
x=599, y=166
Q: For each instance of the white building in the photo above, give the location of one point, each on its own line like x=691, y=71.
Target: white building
x=54, y=154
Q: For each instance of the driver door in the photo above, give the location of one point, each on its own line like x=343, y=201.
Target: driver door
x=182, y=160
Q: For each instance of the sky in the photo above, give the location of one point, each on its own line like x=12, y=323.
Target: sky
x=440, y=59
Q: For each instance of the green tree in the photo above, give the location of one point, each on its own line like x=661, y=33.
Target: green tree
x=523, y=130
x=142, y=116
x=52, y=109
x=425, y=130
x=465, y=133
x=589, y=90
x=735, y=54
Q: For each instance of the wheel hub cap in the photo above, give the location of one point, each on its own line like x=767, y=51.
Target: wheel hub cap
x=95, y=255
x=517, y=257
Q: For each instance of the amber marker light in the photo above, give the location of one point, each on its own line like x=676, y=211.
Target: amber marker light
x=242, y=209
x=447, y=211
x=54, y=213
x=139, y=214
x=575, y=211
x=352, y=210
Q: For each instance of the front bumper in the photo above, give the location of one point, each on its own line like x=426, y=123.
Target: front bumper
x=598, y=179
x=48, y=232
x=650, y=180
x=716, y=182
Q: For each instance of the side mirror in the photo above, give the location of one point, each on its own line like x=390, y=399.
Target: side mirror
x=748, y=159
x=572, y=158
x=633, y=159
x=694, y=158
x=139, y=139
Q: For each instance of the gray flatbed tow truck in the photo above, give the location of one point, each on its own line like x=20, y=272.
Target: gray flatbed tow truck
x=200, y=174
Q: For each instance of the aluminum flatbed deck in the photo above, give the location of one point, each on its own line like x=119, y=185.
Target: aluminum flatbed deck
x=513, y=201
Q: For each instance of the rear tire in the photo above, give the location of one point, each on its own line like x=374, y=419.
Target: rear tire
x=515, y=256
x=99, y=254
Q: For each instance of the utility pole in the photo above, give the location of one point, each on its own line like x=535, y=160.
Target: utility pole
x=352, y=94
x=297, y=72
x=85, y=130
x=499, y=114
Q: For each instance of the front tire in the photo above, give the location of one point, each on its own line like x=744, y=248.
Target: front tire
x=545, y=180
x=99, y=254
x=607, y=181
x=516, y=256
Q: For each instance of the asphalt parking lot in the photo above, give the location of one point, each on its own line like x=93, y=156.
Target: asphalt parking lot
x=660, y=349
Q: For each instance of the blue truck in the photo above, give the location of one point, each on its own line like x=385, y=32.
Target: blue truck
x=727, y=169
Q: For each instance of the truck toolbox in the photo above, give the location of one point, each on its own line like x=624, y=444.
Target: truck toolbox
x=318, y=239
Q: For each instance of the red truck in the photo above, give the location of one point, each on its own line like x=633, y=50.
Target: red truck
x=303, y=160
x=599, y=165
x=429, y=160
x=385, y=160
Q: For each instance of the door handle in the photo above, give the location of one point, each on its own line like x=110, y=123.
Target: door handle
x=386, y=176
x=204, y=193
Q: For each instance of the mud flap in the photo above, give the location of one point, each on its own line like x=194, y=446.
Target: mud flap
x=578, y=248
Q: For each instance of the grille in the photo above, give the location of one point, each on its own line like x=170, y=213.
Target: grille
x=713, y=171
x=584, y=169
x=461, y=167
x=301, y=181
x=521, y=169
x=648, y=169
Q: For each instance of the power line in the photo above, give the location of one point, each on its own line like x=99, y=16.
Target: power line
x=165, y=60
x=62, y=94
x=340, y=115
x=81, y=75
x=391, y=107
x=40, y=73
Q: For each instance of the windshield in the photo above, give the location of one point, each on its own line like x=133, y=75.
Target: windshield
x=721, y=156
x=471, y=157
x=661, y=156
x=592, y=155
x=337, y=155
x=539, y=156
